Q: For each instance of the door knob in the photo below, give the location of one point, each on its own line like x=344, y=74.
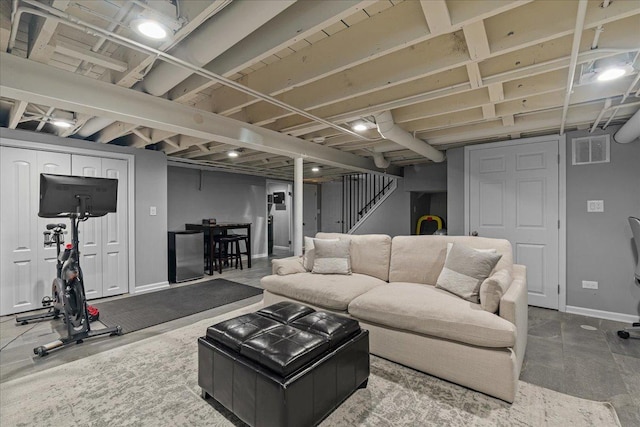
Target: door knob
x=474, y=233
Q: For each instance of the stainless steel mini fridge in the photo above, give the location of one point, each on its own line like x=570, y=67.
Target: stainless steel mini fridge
x=186, y=255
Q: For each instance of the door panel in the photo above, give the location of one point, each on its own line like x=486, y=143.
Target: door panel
x=331, y=219
x=59, y=164
x=90, y=232
x=114, y=232
x=310, y=210
x=19, y=242
x=514, y=195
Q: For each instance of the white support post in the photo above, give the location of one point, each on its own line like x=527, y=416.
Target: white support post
x=297, y=206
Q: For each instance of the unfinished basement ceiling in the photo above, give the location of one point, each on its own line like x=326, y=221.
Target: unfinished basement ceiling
x=452, y=73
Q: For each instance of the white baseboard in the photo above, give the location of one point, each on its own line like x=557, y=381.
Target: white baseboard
x=609, y=315
x=284, y=248
x=150, y=287
x=254, y=256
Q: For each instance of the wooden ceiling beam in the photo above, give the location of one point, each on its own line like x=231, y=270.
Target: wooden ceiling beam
x=15, y=114
x=437, y=15
x=41, y=32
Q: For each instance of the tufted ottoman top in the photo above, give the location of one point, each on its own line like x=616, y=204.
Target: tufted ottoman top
x=284, y=337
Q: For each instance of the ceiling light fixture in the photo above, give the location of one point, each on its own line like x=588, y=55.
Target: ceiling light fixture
x=611, y=74
x=233, y=154
x=61, y=123
x=359, y=127
x=315, y=169
x=150, y=28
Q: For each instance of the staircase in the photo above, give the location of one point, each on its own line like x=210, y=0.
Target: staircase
x=362, y=194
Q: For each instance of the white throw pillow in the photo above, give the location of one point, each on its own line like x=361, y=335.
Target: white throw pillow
x=309, y=252
x=332, y=257
x=488, y=251
x=464, y=271
x=493, y=288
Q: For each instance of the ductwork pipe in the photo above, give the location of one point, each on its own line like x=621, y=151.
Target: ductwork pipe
x=222, y=31
x=630, y=131
x=203, y=45
x=391, y=131
x=380, y=161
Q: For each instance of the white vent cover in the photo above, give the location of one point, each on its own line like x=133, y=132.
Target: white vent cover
x=590, y=149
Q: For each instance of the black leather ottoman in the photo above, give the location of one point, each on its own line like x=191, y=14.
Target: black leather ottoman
x=285, y=365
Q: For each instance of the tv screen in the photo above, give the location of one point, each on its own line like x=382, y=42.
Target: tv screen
x=63, y=195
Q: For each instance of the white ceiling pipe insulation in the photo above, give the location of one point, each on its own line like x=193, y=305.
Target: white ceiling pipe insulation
x=630, y=131
x=380, y=161
x=210, y=40
x=391, y=131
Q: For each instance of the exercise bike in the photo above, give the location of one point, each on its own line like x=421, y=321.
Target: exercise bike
x=53, y=236
x=69, y=299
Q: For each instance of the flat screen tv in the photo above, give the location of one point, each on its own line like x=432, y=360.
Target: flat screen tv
x=63, y=195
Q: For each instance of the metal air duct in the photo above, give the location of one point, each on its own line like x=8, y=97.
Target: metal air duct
x=630, y=131
x=391, y=131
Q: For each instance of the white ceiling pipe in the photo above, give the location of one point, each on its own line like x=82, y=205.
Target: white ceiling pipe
x=215, y=36
x=391, y=131
x=380, y=161
x=630, y=131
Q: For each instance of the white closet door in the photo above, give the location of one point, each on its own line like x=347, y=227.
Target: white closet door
x=58, y=164
x=90, y=235
x=115, y=271
x=19, y=230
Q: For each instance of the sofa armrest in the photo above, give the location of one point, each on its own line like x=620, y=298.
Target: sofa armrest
x=284, y=266
x=514, y=308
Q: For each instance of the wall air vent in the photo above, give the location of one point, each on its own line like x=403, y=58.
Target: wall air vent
x=590, y=150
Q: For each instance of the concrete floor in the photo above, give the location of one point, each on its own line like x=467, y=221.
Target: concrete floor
x=572, y=354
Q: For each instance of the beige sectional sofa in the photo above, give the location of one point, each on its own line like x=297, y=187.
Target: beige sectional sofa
x=392, y=293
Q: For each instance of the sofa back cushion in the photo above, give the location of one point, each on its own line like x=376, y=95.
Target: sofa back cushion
x=370, y=253
x=419, y=259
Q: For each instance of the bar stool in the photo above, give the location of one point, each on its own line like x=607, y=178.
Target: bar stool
x=243, y=238
x=228, y=250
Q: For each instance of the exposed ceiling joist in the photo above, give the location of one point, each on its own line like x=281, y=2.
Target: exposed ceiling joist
x=16, y=112
x=40, y=34
x=28, y=81
x=437, y=15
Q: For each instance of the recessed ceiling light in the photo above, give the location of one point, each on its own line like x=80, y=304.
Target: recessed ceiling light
x=151, y=29
x=315, y=169
x=610, y=74
x=61, y=123
x=359, y=127
x=233, y=154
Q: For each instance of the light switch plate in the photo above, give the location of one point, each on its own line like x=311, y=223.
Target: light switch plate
x=152, y=211
x=595, y=205
x=587, y=284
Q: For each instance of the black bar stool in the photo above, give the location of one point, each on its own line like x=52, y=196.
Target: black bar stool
x=228, y=251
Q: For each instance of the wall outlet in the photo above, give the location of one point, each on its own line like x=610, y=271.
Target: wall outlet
x=587, y=284
x=595, y=205
x=153, y=211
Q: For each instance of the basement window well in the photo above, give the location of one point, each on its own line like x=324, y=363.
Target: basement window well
x=590, y=150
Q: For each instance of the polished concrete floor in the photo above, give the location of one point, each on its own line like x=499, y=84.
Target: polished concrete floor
x=572, y=354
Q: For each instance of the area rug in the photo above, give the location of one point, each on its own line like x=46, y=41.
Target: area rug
x=154, y=383
x=153, y=308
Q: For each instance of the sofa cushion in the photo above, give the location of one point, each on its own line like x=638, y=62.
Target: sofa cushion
x=331, y=257
x=330, y=291
x=419, y=259
x=284, y=266
x=370, y=253
x=310, y=252
x=430, y=311
x=464, y=271
x=493, y=288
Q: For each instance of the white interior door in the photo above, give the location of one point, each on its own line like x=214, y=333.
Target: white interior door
x=19, y=230
x=331, y=219
x=513, y=194
x=310, y=210
x=114, y=233
x=58, y=164
x=90, y=231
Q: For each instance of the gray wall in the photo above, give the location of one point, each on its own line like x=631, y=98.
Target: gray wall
x=228, y=197
x=599, y=245
x=427, y=178
x=392, y=217
x=150, y=190
x=455, y=191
